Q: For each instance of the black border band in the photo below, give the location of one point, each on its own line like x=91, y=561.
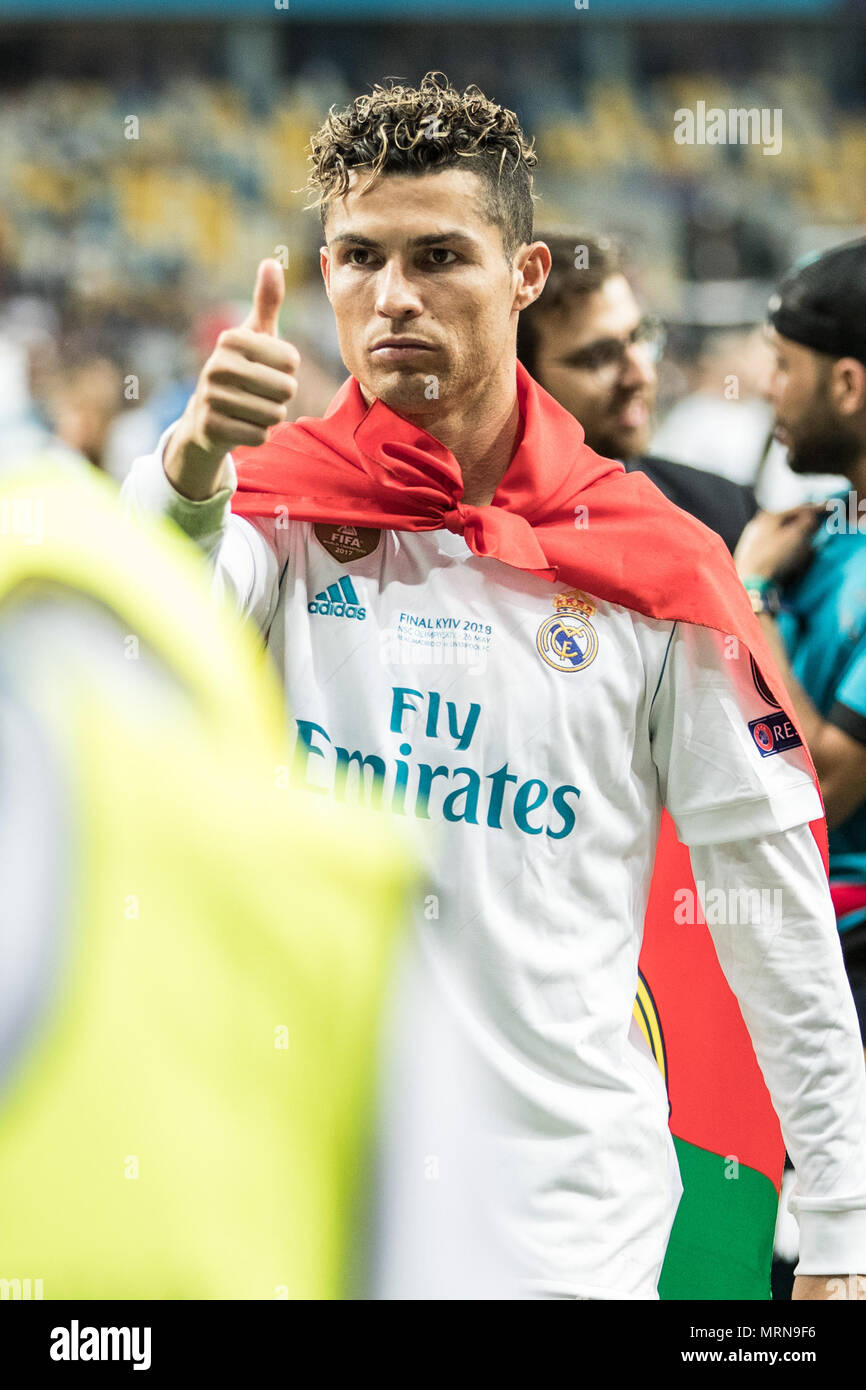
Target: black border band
x=849, y=721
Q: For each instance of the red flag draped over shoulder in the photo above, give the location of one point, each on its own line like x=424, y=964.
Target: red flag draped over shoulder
x=566, y=514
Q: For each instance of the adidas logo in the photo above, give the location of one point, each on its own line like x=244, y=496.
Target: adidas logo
x=338, y=601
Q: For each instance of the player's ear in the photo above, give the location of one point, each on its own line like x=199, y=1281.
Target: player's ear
x=532, y=262
x=325, y=263
x=849, y=385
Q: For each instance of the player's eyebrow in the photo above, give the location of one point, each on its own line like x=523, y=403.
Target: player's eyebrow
x=356, y=239
x=435, y=238
x=431, y=239
x=575, y=354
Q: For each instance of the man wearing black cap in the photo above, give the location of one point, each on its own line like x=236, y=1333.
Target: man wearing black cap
x=805, y=568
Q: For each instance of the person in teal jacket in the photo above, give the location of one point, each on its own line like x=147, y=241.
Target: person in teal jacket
x=806, y=568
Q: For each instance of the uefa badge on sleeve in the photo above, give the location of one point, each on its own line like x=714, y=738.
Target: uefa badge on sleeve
x=774, y=733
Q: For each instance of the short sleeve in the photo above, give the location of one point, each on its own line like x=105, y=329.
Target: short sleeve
x=848, y=712
x=730, y=764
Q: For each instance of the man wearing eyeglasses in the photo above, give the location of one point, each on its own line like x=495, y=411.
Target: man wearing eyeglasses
x=587, y=343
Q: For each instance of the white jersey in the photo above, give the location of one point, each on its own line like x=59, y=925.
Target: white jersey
x=533, y=733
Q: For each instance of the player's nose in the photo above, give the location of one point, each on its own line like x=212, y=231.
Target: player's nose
x=396, y=296
x=769, y=386
x=638, y=366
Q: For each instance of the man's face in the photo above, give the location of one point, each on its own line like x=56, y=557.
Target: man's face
x=425, y=300
x=585, y=359
x=817, y=439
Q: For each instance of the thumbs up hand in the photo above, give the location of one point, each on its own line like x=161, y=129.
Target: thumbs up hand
x=243, y=391
x=267, y=298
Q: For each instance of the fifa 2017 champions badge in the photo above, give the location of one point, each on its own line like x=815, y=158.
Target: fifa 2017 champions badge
x=568, y=641
x=347, y=543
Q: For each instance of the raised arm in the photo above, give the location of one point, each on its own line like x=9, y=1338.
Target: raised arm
x=244, y=389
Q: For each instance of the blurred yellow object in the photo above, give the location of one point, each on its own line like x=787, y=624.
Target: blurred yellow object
x=189, y=1118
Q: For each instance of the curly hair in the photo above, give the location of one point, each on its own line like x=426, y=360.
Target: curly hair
x=397, y=129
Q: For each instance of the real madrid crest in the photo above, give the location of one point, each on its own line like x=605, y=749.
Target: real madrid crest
x=568, y=641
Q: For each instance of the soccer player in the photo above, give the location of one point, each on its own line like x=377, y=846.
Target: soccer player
x=809, y=586
x=586, y=341
x=488, y=629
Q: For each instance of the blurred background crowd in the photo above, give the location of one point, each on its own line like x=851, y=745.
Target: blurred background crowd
x=152, y=154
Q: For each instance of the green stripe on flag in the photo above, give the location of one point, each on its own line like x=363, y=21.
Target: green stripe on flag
x=721, y=1245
